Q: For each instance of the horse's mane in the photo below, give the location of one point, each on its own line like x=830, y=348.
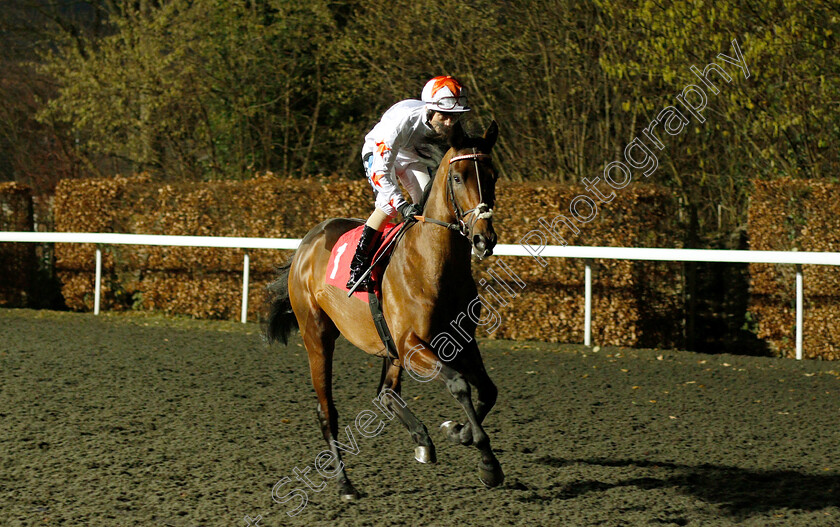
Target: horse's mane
x=430, y=184
x=426, y=194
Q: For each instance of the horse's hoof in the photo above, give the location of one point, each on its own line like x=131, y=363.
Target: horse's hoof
x=451, y=430
x=457, y=433
x=425, y=454
x=348, y=492
x=491, y=476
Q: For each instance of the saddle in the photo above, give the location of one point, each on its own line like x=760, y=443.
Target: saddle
x=338, y=270
x=338, y=273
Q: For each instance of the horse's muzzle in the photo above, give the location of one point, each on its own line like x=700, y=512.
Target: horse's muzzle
x=483, y=245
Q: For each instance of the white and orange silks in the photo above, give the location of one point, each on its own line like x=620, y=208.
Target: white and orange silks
x=401, y=145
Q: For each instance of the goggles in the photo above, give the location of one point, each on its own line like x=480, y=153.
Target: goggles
x=449, y=103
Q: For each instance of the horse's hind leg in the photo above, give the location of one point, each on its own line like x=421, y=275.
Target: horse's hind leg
x=424, y=452
x=319, y=334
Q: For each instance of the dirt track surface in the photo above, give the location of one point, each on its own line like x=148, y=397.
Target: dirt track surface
x=127, y=420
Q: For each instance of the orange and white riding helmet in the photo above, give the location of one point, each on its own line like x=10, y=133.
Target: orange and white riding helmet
x=445, y=94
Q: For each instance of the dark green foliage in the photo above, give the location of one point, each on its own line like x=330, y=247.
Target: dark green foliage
x=217, y=89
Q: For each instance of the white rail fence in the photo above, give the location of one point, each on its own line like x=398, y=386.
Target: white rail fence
x=586, y=253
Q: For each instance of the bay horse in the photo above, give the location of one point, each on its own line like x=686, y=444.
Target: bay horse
x=425, y=287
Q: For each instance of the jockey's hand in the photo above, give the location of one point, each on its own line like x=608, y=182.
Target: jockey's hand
x=409, y=210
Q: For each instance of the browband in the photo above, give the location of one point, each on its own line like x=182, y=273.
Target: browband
x=467, y=156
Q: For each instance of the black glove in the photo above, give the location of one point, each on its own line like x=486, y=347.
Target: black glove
x=409, y=210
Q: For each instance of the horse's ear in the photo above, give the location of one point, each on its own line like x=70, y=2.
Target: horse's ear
x=458, y=137
x=491, y=134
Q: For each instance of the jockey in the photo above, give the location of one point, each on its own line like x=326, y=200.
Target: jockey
x=409, y=143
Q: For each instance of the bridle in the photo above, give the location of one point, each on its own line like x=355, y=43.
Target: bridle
x=482, y=211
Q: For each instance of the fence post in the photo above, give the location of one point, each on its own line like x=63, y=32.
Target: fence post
x=799, y=309
x=587, y=309
x=97, y=286
x=245, y=272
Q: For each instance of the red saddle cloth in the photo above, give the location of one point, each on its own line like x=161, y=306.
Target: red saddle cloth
x=338, y=270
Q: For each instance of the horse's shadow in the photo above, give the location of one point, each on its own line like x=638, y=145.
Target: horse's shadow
x=739, y=492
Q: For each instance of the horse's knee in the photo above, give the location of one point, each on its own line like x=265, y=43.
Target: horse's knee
x=458, y=387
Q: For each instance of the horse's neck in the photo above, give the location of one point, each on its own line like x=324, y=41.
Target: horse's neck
x=438, y=203
x=440, y=250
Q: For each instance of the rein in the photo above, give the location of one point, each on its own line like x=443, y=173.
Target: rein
x=479, y=212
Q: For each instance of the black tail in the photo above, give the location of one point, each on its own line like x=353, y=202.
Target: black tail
x=281, y=320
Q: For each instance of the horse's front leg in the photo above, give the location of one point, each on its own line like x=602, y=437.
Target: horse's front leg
x=424, y=452
x=489, y=470
x=486, y=393
x=424, y=363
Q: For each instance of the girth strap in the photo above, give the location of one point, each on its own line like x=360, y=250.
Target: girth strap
x=373, y=299
x=382, y=326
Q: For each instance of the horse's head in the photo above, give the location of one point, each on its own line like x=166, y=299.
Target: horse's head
x=471, y=187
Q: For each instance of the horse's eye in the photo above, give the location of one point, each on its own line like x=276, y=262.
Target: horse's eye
x=456, y=179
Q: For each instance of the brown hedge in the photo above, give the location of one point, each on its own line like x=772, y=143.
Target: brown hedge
x=777, y=325
x=636, y=302
x=793, y=214
x=17, y=260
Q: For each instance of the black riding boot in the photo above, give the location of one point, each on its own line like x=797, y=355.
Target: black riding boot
x=368, y=244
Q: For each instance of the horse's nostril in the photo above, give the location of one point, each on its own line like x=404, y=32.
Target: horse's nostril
x=479, y=241
x=488, y=242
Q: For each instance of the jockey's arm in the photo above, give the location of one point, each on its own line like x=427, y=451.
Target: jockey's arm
x=384, y=160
